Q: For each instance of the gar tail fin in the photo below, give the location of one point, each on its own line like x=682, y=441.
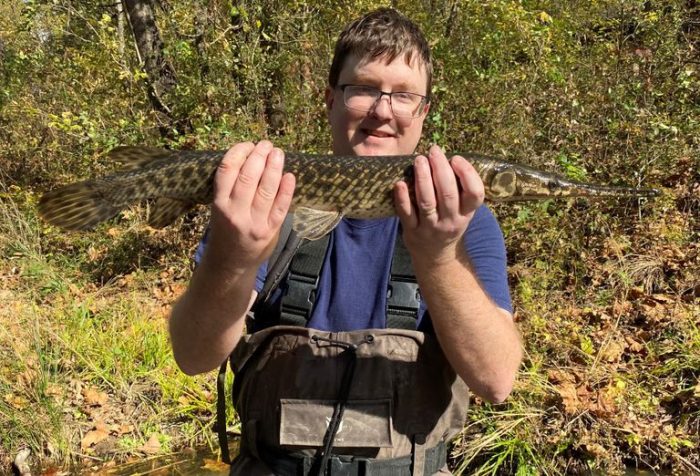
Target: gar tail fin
x=78, y=206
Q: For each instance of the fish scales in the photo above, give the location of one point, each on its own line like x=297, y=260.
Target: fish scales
x=353, y=186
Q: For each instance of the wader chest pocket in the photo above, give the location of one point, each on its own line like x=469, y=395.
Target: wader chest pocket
x=365, y=423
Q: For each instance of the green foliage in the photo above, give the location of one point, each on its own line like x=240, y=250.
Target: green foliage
x=606, y=91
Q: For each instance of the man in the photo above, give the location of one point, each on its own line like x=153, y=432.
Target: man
x=377, y=100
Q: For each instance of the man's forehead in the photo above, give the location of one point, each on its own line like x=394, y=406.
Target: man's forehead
x=356, y=65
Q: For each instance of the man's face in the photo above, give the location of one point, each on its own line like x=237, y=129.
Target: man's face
x=378, y=131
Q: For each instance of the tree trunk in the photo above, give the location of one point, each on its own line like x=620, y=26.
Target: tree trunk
x=275, y=110
x=161, y=75
x=120, y=29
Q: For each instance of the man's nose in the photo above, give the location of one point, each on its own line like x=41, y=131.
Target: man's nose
x=382, y=108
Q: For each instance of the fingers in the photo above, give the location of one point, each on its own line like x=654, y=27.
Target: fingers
x=266, y=189
x=248, y=179
x=283, y=200
x=446, y=190
x=227, y=172
x=437, y=194
x=472, y=194
x=404, y=206
x=250, y=183
x=426, y=201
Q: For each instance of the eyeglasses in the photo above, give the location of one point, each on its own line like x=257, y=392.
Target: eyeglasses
x=364, y=98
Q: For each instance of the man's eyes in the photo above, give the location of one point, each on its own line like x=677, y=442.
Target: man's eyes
x=374, y=92
x=365, y=91
x=404, y=97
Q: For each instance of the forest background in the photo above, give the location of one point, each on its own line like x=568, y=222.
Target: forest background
x=606, y=293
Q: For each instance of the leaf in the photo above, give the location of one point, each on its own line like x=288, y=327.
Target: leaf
x=569, y=397
x=152, y=446
x=93, y=437
x=18, y=402
x=613, y=351
x=124, y=429
x=215, y=465
x=94, y=397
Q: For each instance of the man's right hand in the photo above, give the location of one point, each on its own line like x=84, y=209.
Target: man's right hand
x=251, y=199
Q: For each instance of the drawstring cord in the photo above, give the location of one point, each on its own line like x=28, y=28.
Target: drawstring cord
x=322, y=457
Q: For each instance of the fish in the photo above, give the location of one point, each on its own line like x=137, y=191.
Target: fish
x=329, y=187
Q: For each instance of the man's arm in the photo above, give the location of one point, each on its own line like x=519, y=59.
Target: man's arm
x=208, y=320
x=251, y=200
x=479, y=339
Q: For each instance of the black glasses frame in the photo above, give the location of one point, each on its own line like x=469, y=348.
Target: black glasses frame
x=381, y=94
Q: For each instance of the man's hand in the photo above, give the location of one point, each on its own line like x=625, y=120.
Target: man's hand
x=251, y=199
x=433, y=225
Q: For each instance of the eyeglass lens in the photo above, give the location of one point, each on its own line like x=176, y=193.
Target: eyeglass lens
x=364, y=98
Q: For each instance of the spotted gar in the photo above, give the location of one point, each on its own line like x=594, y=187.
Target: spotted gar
x=328, y=187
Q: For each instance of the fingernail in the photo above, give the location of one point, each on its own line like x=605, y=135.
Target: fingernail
x=276, y=156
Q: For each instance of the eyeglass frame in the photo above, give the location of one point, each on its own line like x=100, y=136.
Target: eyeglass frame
x=421, y=105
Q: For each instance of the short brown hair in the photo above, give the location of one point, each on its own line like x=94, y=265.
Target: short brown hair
x=382, y=32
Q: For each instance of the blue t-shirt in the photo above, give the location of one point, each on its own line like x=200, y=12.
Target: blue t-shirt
x=352, y=289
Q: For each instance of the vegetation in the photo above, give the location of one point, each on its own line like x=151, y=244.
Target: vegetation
x=607, y=294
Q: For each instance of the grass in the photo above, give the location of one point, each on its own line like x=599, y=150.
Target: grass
x=605, y=292
x=610, y=375
x=64, y=335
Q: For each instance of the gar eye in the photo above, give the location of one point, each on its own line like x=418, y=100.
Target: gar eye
x=553, y=185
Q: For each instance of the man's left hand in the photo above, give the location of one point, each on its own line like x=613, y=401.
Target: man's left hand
x=434, y=222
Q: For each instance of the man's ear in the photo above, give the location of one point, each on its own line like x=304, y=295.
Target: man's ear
x=426, y=108
x=330, y=97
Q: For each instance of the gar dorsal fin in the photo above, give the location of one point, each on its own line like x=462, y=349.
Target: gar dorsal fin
x=134, y=157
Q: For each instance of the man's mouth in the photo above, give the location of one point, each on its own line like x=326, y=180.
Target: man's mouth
x=376, y=133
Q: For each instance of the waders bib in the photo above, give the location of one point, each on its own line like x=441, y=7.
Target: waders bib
x=376, y=402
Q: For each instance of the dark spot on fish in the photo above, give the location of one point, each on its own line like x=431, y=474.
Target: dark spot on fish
x=553, y=185
x=409, y=174
x=187, y=172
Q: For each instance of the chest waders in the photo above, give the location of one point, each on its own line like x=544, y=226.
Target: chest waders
x=386, y=399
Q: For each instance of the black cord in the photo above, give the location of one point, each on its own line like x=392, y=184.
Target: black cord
x=322, y=457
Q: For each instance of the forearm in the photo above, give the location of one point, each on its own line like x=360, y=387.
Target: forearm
x=479, y=339
x=208, y=320
x=251, y=199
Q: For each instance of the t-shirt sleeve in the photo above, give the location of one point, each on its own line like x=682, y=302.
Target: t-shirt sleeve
x=199, y=252
x=487, y=252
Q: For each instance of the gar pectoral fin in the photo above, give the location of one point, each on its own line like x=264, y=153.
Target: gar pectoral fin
x=166, y=210
x=312, y=224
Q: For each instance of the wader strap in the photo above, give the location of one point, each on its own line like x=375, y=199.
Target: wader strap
x=304, y=264
x=287, y=245
x=221, y=413
x=302, y=282
x=418, y=455
x=403, y=296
